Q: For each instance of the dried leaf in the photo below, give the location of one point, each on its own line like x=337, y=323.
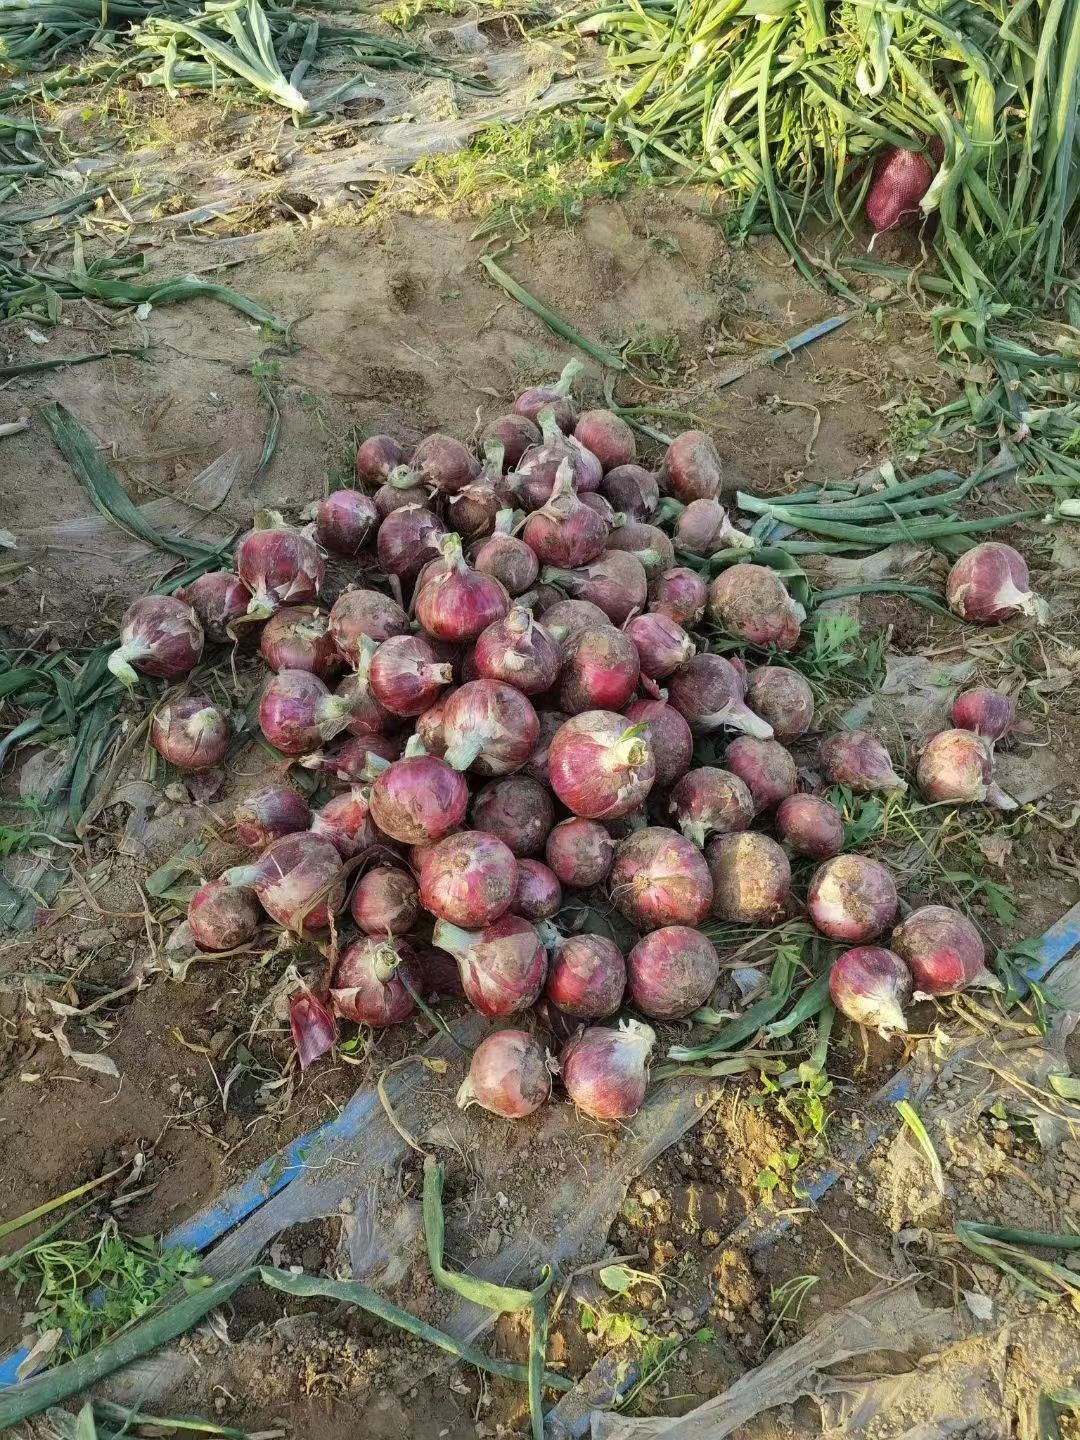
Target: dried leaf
x=45, y=1344
x=85, y=1059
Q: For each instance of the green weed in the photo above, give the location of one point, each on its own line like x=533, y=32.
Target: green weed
x=837, y=655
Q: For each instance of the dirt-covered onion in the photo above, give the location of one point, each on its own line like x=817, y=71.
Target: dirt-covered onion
x=369, y=982
x=710, y=801
x=297, y=637
x=221, y=916
x=159, y=636
x=375, y=458
x=564, y=531
x=407, y=676
x=408, y=538
x=810, y=826
x=659, y=878
x=990, y=584
x=419, y=799
x=680, y=594
x=943, y=950
x=297, y=712
x=648, y=542
x=606, y=1071
x=580, y=852
x=507, y=559
x=385, y=901
x=631, y=490
x=468, y=879
x=783, y=698
x=548, y=722
x=765, y=768
x=871, y=985
x=750, y=602
x=957, y=767
x=671, y=972
x=555, y=398
x=600, y=670
x=566, y=620
x=705, y=527
x=345, y=820
x=514, y=433
x=859, y=761
x=502, y=967
x=346, y=522
x=668, y=734
x=600, y=767
x=751, y=878
x=586, y=977
x=852, y=897
x=299, y=881
x=538, y=895
x=218, y=598
x=615, y=582
x=190, y=733
x=444, y=463
x=707, y=692
x=508, y=1075
x=359, y=615
x=691, y=468
x=460, y=602
x=268, y=814
x=517, y=809
x=518, y=650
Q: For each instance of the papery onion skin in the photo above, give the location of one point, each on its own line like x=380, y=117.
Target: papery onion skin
x=502, y=967
x=599, y=767
x=444, y=463
x=366, y=715
x=990, y=584
x=385, y=901
x=661, y=643
x=606, y=1072
x=159, y=636
x=406, y=676
x=280, y=566
x=519, y=651
x=691, y=468
x=345, y=820
x=368, y=986
x=359, y=615
x=472, y=512
x=943, y=950
x=615, y=582
x=568, y=620
x=810, y=826
x=223, y=916
x=190, y=733
x=375, y=458
x=535, y=477
x=564, y=531
x=580, y=852
x=508, y=1075
x=659, y=878
x=859, y=761
x=408, y=538
x=765, y=768
x=783, y=698
x=986, y=712
x=555, y=398
x=608, y=436
x=297, y=637
x=600, y=670
x=751, y=878
x=508, y=560
x=515, y=433
x=312, y=1028
x=268, y=814
x=218, y=598
x=631, y=490
x=704, y=527
x=297, y=712
x=399, y=490
x=957, y=766
x=671, y=973
x=707, y=692
x=750, y=602
x=711, y=801
x=468, y=879
x=489, y=727
x=538, y=895
x=586, y=977
x=298, y=880
x=346, y=522
x=871, y=986
x=418, y=800
x=852, y=898
x=518, y=810
x=680, y=594
x=356, y=761
x=668, y=734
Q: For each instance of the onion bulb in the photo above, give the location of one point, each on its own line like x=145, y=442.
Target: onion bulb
x=680, y=594
x=222, y=916
x=159, y=636
x=555, y=398
x=502, y=967
x=943, y=949
x=513, y=433
x=600, y=670
x=408, y=538
x=518, y=651
x=268, y=814
x=507, y=559
x=671, y=973
x=859, y=761
x=751, y=878
x=600, y=767
x=659, y=878
x=218, y=598
x=783, y=698
x=564, y=531
x=710, y=801
x=704, y=527
x=608, y=436
x=750, y=602
x=406, y=676
x=280, y=566
x=615, y=582
x=631, y=491
x=444, y=463
x=190, y=733
x=586, y=977
x=707, y=692
x=580, y=852
x=297, y=712
x=668, y=734
x=508, y=1075
x=810, y=826
x=346, y=522
x=298, y=879
x=385, y=901
x=345, y=820
x=518, y=810
x=662, y=644
x=764, y=767
x=369, y=982
x=489, y=727
x=606, y=1072
x=419, y=799
x=990, y=584
x=987, y=712
x=375, y=458
x=459, y=603
x=691, y=468
x=468, y=879
x=852, y=898
x=957, y=766
x=359, y=615
x=538, y=895
x=871, y=986
x=297, y=637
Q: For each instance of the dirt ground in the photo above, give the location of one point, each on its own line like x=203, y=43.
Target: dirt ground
x=395, y=328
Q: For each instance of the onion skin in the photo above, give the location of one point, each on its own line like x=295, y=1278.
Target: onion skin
x=510, y=561
x=852, y=898
x=608, y=437
x=810, y=826
x=751, y=878
x=631, y=490
x=957, y=766
x=345, y=820
x=460, y=603
x=764, y=767
x=346, y=522
x=268, y=814
x=385, y=901
x=555, y=398
x=707, y=692
x=660, y=879
x=190, y=733
x=783, y=698
x=671, y=973
x=444, y=463
x=599, y=767
x=679, y=594
x=600, y=671
x=710, y=801
x=871, y=986
x=549, y=721
x=538, y=471
x=406, y=677
x=538, y=895
x=704, y=527
x=750, y=602
x=312, y=1028
x=297, y=712
x=468, y=879
x=408, y=538
x=401, y=488
x=508, y=1075
x=159, y=636
x=297, y=637
x=502, y=967
x=518, y=651
x=223, y=916
x=990, y=584
x=568, y=620
x=418, y=800
x=564, y=531
x=648, y=542
x=691, y=468
x=668, y=734
x=218, y=598
x=367, y=986
x=662, y=645
x=857, y=759
x=580, y=853
x=943, y=950
x=986, y=712
x=518, y=810
x=472, y=512
x=606, y=1072
x=490, y=728
x=429, y=726
x=586, y=977
x=615, y=582
x=356, y=762
x=359, y=615
x=375, y=458
x=515, y=433
x=298, y=880
x=899, y=181
x=366, y=715
x=280, y=566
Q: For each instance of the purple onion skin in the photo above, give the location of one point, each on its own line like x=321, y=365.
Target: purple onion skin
x=764, y=767
x=810, y=826
x=751, y=878
x=538, y=895
x=606, y=1072
x=750, y=602
x=367, y=986
x=468, y=879
x=632, y=491
x=957, y=767
x=710, y=801
x=660, y=879
x=223, y=916
x=268, y=814
x=502, y=967
x=608, y=437
x=671, y=973
x=679, y=593
x=852, y=898
x=691, y=468
x=871, y=986
x=943, y=949
x=586, y=977
x=515, y=433
x=517, y=809
x=990, y=584
x=218, y=598
x=669, y=735
x=784, y=699
x=984, y=711
x=375, y=458
x=508, y=1075
x=859, y=760
x=580, y=852
x=346, y=522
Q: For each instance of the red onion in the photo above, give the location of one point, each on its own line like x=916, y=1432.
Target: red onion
x=858, y=760
x=608, y=437
x=468, y=879
x=218, y=598
x=345, y=820
x=566, y=620
x=899, y=181
x=508, y=560
x=298, y=879
x=852, y=898
x=615, y=583
x=586, y=977
x=648, y=542
x=312, y=1027
x=297, y=637
x=549, y=722
x=600, y=767
x=606, y=1072
x=429, y=725
x=662, y=644
x=346, y=522
x=990, y=584
x=564, y=531
x=709, y=801
x=376, y=457
x=408, y=539
x=159, y=636
x=602, y=507
x=369, y=982
x=359, y=615
x=190, y=733
x=515, y=433
x=707, y=692
x=508, y=1075
x=472, y=512
x=691, y=468
x=406, y=677
x=444, y=463
x=385, y=901
x=810, y=826
x=957, y=766
x=580, y=852
x=750, y=602
x=552, y=397
x=679, y=594
x=871, y=986
x=659, y=878
x=538, y=895
x=489, y=727
x=366, y=715
x=518, y=651
x=671, y=973
x=704, y=527
x=460, y=602
x=742, y=675
x=751, y=878
x=600, y=672
x=519, y=810
x=222, y=916
x=668, y=734
x=269, y=814
x=783, y=698
x=502, y=967
x=944, y=950
x=280, y=566
x=297, y=711
x=400, y=489
x=357, y=761
x=764, y=767
x=418, y=800
x=631, y=490
x=536, y=474
x=987, y=712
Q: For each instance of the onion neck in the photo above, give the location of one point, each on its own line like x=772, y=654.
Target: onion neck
x=463, y=752
x=494, y=460
x=549, y=427
x=570, y=371
x=119, y=661
x=450, y=549
x=243, y=875
x=504, y=522
x=333, y=714
x=637, y=1036
x=453, y=939
x=630, y=750
x=402, y=477
x=384, y=962
x=414, y=747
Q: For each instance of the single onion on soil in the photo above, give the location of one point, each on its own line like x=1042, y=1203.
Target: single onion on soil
x=751, y=878
x=600, y=671
x=943, y=949
x=385, y=901
x=691, y=468
x=458, y=604
x=269, y=814
x=444, y=463
x=418, y=800
x=345, y=820
x=810, y=826
x=957, y=766
x=615, y=582
x=852, y=898
x=297, y=712
x=507, y=559
x=518, y=651
x=369, y=982
x=502, y=967
x=662, y=644
x=359, y=615
x=705, y=527
x=555, y=398
x=668, y=734
x=871, y=986
x=280, y=566
x=517, y=809
x=764, y=767
x=680, y=594
x=508, y=1075
x=218, y=598
x=990, y=583
x=408, y=538
x=660, y=878
x=489, y=727
x=606, y=1072
x=986, y=712
x=608, y=436
x=707, y=692
x=899, y=181
x=346, y=522
x=297, y=637
x=783, y=698
x=375, y=458
x=631, y=491
x=599, y=766
x=564, y=531
x=671, y=973
x=159, y=636
x=859, y=761
x=406, y=676
x=750, y=602
x=222, y=916
x=298, y=879
x=190, y=733
x=580, y=852
x=538, y=895
x=710, y=801
x=468, y=879
x=586, y=977
x=514, y=433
